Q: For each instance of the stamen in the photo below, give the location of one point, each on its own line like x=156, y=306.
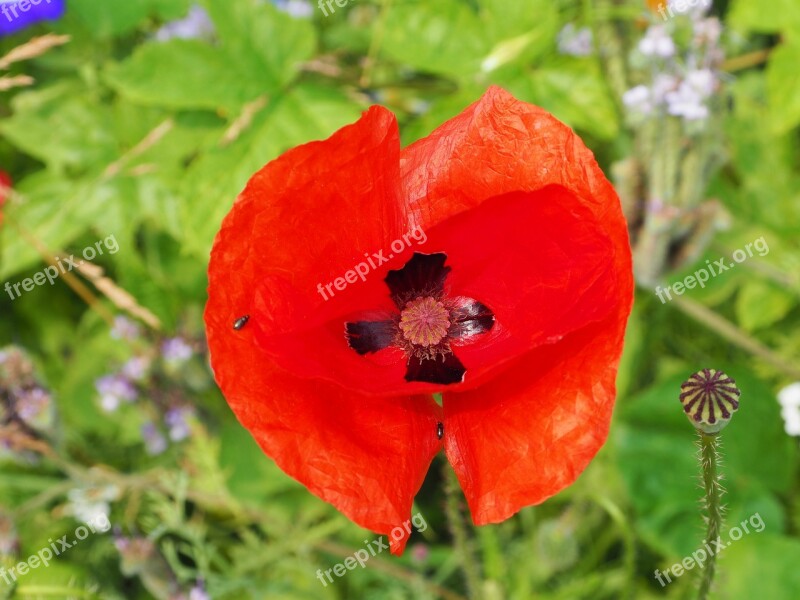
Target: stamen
x=424, y=321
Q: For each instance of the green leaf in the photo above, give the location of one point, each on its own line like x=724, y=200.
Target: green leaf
x=760, y=304
x=782, y=15
x=783, y=81
x=183, y=74
x=422, y=36
x=265, y=44
x=62, y=127
x=760, y=565
x=306, y=113
x=107, y=19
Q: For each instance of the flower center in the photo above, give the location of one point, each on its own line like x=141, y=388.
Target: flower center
x=424, y=321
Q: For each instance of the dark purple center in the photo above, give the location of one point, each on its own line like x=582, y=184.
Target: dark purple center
x=427, y=323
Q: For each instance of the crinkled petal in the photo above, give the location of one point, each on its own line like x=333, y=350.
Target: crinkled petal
x=299, y=219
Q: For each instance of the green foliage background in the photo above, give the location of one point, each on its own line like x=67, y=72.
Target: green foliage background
x=219, y=511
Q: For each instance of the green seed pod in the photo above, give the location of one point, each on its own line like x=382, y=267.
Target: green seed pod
x=709, y=399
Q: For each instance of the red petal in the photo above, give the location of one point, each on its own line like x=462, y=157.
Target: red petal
x=500, y=145
x=366, y=456
x=530, y=431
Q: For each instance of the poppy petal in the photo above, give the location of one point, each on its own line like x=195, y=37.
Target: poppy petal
x=530, y=432
x=424, y=274
x=470, y=318
x=327, y=438
x=370, y=336
x=527, y=433
x=439, y=370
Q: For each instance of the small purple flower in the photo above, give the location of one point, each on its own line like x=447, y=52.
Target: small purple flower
x=299, y=9
x=177, y=419
x=657, y=42
x=198, y=592
x=14, y=18
x=176, y=350
x=113, y=390
x=136, y=368
x=195, y=25
x=154, y=441
x=575, y=42
x=124, y=329
x=32, y=403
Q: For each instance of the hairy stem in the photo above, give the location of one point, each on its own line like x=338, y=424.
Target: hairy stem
x=460, y=532
x=709, y=463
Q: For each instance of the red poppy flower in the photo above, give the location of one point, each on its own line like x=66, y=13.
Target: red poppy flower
x=352, y=280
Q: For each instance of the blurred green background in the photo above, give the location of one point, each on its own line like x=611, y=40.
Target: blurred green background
x=134, y=134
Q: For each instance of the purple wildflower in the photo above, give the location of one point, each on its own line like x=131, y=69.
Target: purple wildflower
x=124, y=329
x=176, y=350
x=136, y=368
x=575, y=42
x=32, y=403
x=198, y=592
x=299, y=9
x=195, y=25
x=177, y=419
x=154, y=441
x=113, y=390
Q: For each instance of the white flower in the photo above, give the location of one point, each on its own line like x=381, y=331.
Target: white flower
x=688, y=101
x=789, y=398
x=638, y=99
x=91, y=504
x=657, y=42
x=708, y=31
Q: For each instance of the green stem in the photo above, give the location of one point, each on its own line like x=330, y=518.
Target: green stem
x=461, y=538
x=709, y=463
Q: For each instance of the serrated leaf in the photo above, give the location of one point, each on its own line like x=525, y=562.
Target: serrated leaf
x=183, y=74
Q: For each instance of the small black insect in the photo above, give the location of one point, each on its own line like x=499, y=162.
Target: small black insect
x=241, y=322
x=440, y=430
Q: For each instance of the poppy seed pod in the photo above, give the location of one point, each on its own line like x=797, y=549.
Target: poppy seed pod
x=709, y=398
